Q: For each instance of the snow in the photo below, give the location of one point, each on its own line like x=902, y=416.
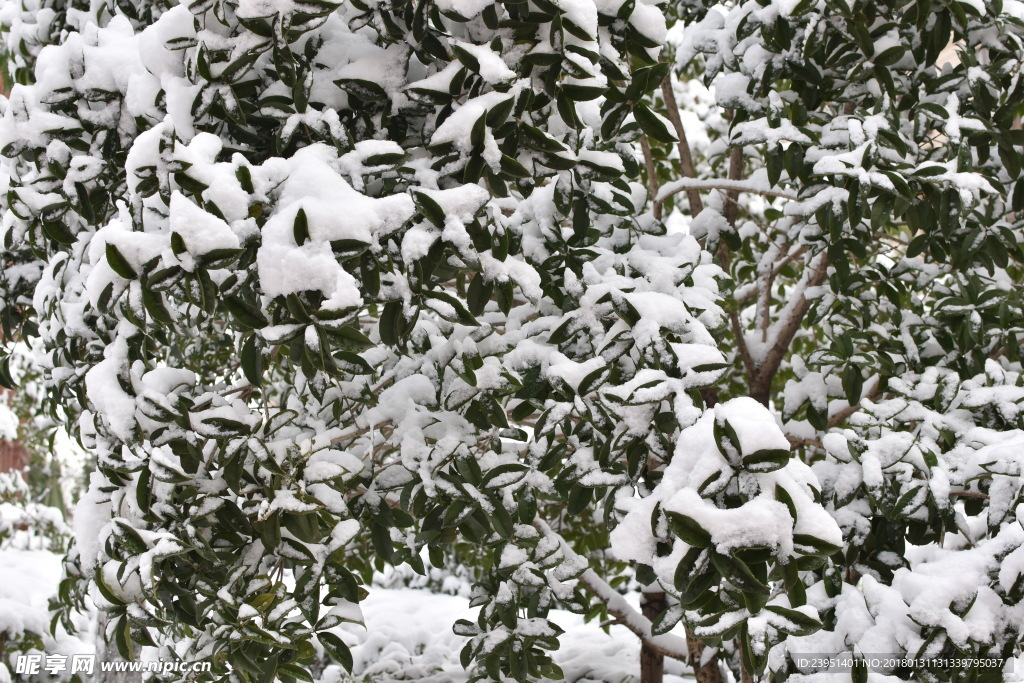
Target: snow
x=334, y=211
x=456, y=128
x=201, y=232
x=755, y=427
x=649, y=21
x=465, y=8
x=329, y=464
x=105, y=392
x=759, y=523
x=28, y=579
x=8, y=423
x=408, y=637
x=492, y=68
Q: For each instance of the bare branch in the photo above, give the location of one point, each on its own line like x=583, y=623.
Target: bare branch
x=358, y=431
x=652, y=175
x=735, y=171
x=968, y=494
x=801, y=441
x=761, y=379
x=685, y=158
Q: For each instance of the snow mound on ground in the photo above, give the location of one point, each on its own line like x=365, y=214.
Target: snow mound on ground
x=28, y=578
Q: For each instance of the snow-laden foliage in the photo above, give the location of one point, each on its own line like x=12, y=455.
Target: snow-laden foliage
x=333, y=286
x=863, y=162
x=308, y=274
x=746, y=515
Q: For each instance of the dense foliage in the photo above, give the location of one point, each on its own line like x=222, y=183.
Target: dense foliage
x=330, y=286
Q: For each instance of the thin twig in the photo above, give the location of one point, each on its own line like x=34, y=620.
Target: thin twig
x=652, y=175
x=769, y=365
x=968, y=494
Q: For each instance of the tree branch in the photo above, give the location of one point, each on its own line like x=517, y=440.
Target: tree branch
x=689, y=185
x=668, y=645
x=735, y=171
x=761, y=380
x=652, y=175
x=358, y=431
x=685, y=158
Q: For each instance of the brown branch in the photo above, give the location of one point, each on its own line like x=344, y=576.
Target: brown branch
x=741, y=344
x=761, y=380
x=685, y=158
x=666, y=644
x=735, y=171
x=359, y=431
x=732, y=188
x=652, y=175
x=968, y=494
x=800, y=441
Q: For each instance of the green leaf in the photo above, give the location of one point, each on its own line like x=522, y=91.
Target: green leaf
x=812, y=545
x=336, y=649
x=853, y=384
x=59, y=232
x=652, y=124
x=251, y=358
x=123, y=639
x=104, y=589
x=300, y=228
x=390, y=320
x=461, y=313
x=685, y=570
x=295, y=671
x=583, y=93
x=119, y=263
x=247, y=315
x=797, y=623
x=6, y=380
x=667, y=620
x=154, y=304
x=367, y=91
x=890, y=56
x=738, y=573
x=688, y=530
x=766, y=460
x=351, y=338
x=430, y=209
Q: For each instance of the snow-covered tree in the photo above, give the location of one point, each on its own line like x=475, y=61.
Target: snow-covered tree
x=308, y=274
x=327, y=286
x=855, y=168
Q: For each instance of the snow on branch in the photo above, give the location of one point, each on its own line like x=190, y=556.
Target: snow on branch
x=667, y=644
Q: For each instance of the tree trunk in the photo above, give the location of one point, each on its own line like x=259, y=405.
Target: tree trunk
x=652, y=662
x=710, y=672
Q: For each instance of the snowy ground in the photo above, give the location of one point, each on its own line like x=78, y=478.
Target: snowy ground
x=28, y=578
